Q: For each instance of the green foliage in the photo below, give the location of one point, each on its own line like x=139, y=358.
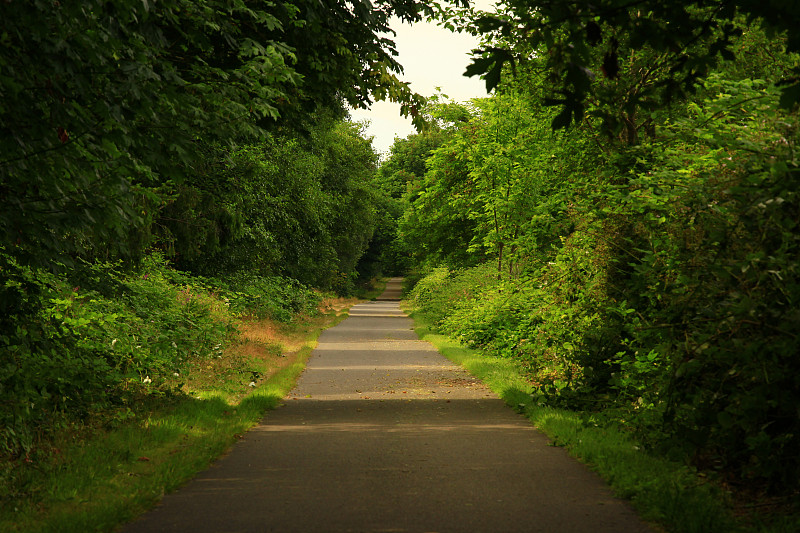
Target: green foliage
x=294, y=206
x=620, y=61
x=385, y=254
x=73, y=351
x=407, y=161
x=108, y=107
x=97, y=479
x=397, y=179
x=210, y=131
x=104, y=97
x=429, y=293
x=655, y=282
x=496, y=187
x=268, y=297
x=662, y=491
x=717, y=246
x=437, y=226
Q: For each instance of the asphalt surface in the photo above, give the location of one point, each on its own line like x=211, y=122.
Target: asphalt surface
x=383, y=434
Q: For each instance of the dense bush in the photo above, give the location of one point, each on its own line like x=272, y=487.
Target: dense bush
x=656, y=281
x=713, y=292
x=112, y=110
x=268, y=297
x=294, y=205
x=101, y=337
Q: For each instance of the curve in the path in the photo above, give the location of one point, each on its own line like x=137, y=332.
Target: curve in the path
x=383, y=434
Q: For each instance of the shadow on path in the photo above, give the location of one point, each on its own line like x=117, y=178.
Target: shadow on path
x=384, y=434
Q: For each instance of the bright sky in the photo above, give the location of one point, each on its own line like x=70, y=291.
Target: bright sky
x=431, y=57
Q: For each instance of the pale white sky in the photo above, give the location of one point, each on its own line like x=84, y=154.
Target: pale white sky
x=431, y=57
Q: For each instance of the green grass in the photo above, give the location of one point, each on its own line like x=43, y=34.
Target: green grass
x=663, y=492
x=97, y=481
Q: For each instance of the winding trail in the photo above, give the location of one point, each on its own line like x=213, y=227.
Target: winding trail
x=383, y=434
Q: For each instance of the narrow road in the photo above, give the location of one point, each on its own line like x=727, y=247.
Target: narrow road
x=383, y=434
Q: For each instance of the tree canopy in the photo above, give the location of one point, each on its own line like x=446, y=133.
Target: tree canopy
x=622, y=59
x=620, y=218
x=106, y=105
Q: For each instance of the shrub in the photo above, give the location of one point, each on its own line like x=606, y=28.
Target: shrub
x=71, y=351
x=274, y=297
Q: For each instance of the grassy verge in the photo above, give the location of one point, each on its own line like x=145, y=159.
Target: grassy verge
x=105, y=475
x=663, y=492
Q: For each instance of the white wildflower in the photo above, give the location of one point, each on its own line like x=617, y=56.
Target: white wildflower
x=776, y=273
x=147, y=380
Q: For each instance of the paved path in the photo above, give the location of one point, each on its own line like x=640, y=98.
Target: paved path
x=383, y=434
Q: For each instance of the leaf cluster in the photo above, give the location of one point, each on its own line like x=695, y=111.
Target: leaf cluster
x=655, y=283
x=107, y=108
x=293, y=205
x=101, y=339
x=615, y=58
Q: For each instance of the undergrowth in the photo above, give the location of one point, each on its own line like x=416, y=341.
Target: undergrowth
x=452, y=312
x=96, y=470
x=99, y=344
x=662, y=491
